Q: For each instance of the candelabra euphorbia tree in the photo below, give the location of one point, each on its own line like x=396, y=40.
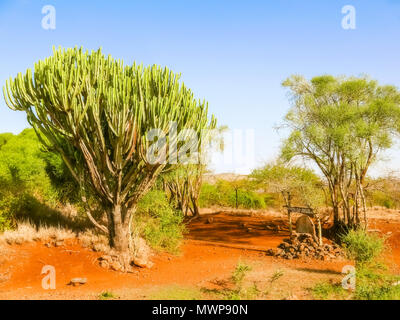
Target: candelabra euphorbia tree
x=97, y=113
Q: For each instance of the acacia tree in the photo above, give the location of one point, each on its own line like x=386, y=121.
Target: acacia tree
x=290, y=182
x=97, y=113
x=341, y=124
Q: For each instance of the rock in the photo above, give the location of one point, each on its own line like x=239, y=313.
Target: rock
x=106, y=258
x=249, y=230
x=77, y=281
x=116, y=266
x=104, y=264
x=142, y=254
x=270, y=252
x=305, y=225
x=303, y=245
x=142, y=263
x=210, y=220
x=58, y=243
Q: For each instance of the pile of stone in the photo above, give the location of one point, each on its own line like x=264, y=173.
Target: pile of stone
x=304, y=245
x=110, y=262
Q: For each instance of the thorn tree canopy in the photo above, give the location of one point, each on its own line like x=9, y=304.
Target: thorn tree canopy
x=342, y=125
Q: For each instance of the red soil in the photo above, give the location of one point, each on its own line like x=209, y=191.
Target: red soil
x=210, y=252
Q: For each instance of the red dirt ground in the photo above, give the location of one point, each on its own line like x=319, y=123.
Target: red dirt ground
x=209, y=254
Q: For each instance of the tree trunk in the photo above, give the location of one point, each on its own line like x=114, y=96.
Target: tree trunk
x=196, y=211
x=119, y=236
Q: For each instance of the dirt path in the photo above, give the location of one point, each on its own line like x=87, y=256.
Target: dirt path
x=209, y=256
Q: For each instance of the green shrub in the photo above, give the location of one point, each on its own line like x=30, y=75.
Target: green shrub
x=159, y=223
x=384, y=199
x=240, y=291
x=362, y=247
x=374, y=283
x=247, y=200
x=27, y=189
x=328, y=291
x=6, y=214
x=107, y=295
x=223, y=194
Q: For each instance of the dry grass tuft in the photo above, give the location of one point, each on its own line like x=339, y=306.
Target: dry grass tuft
x=27, y=232
x=94, y=241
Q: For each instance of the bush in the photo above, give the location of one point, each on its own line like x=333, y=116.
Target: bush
x=372, y=283
x=375, y=284
x=158, y=222
x=223, y=194
x=384, y=199
x=247, y=200
x=362, y=247
x=32, y=181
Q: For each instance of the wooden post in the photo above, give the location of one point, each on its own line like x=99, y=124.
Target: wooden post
x=290, y=214
x=319, y=231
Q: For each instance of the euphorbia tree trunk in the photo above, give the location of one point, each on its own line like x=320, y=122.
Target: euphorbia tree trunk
x=98, y=115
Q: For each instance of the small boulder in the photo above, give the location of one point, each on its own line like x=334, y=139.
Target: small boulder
x=77, y=281
x=116, y=266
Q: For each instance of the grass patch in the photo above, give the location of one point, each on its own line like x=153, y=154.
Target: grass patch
x=107, y=295
x=328, y=291
x=176, y=293
x=276, y=276
x=373, y=280
x=239, y=290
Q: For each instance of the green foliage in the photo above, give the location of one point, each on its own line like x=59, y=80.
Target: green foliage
x=276, y=276
x=97, y=112
x=385, y=192
x=375, y=284
x=176, y=293
x=223, y=194
x=342, y=125
x=240, y=272
x=372, y=283
x=107, y=295
x=159, y=223
x=304, y=185
x=240, y=290
x=21, y=163
x=328, y=291
x=27, y=188
x=362, y=247
x=22, y=178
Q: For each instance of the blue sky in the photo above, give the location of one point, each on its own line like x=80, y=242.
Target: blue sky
x=235, y=54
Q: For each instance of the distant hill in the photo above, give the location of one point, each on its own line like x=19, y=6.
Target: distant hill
x=213, y=178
